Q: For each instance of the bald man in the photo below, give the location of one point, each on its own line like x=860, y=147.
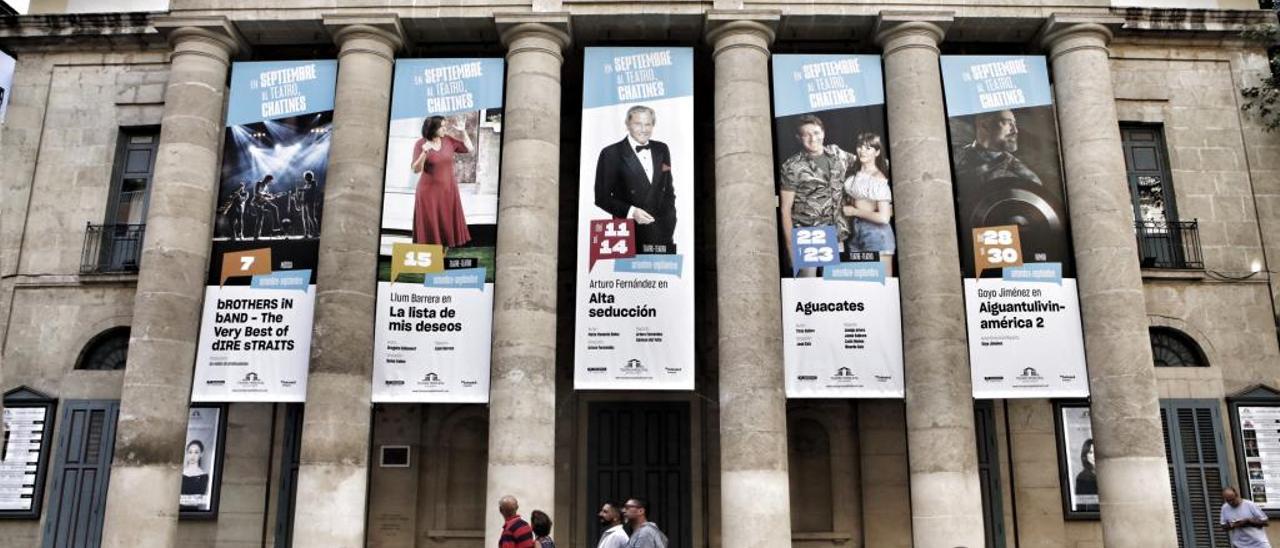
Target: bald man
x=516, y=532
x=1243, y=521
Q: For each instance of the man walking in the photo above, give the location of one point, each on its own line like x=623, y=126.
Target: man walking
x=1243, y=521
x=644, y=533
x=516, y=532
x=610, y=515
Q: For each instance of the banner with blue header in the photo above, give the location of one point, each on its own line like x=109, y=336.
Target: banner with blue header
x=1022, y=309
x=255, y=334
x=634, y=302
x=439, y=228
x=841, y=316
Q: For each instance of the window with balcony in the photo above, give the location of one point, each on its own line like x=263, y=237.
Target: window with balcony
x=1164, y=241
x=115, y=246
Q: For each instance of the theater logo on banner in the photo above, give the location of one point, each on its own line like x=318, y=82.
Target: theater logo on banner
x=439, y=226
x=255, y=332
x=635, y=221
x=841, y=317
x=1021, y=304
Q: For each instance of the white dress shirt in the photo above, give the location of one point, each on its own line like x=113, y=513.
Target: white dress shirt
x=615, y=537
x=645, y=156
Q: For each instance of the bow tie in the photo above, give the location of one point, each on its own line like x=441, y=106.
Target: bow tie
x=643, y=147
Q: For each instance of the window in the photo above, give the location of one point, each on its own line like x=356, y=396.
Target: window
x=106, y=352
x=1195, y=449
x=116, y=245
x=1163, y=240
x=1173, y=348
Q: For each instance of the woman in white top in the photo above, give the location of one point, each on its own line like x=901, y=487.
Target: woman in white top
x=869, y=202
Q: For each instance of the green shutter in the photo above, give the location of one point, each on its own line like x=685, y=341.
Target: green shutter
x=1195, y=449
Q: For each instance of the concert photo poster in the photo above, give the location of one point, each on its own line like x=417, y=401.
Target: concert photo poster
x=437, y=240
x=841, y=314
x=255, y=331
x=1021, y=302
x=635, y=267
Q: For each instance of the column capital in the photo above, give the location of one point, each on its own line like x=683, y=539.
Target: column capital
x=211, y=36
x=382, y=28
x=727, y=29
x=1067, y=32
x=551, y=32
x=896, y=30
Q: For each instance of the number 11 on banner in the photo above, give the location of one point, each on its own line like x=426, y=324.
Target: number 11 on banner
x=612, y=239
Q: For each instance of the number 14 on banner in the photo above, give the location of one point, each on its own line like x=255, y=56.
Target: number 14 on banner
x=612, y=239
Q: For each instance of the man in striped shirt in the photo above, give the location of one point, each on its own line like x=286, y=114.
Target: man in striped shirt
x=516, y=532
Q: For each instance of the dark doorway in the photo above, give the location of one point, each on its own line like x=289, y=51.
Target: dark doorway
x=642, y=450
x=82, y=466
x=984, y=422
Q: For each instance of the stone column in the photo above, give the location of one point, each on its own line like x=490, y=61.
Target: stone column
x=946, y=503
x=1133, y=476
x=333, y=471
x=146, y=473
x=522, y=390
x=755, y=497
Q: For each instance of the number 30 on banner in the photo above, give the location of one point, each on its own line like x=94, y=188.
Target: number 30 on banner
x=996, y=247
x=416, y=259
x=612, y=239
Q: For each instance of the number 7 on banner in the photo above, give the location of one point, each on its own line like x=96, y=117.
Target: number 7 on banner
x=612, y=239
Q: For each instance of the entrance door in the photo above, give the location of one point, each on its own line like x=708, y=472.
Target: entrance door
x=81, y=469
x=984, y=422
x=642, y=450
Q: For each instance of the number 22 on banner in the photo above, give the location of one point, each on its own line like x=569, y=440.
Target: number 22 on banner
x=996, y=247
x=416, y=259
x=612, y=239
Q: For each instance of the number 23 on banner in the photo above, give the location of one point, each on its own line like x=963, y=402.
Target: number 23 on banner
x=996, y=247
x=814, y=246
x=416, y=259
x=612, y=239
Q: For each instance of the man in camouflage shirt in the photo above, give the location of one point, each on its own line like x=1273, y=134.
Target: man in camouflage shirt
x=813, y=183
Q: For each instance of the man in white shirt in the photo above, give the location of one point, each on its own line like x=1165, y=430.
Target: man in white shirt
x=611, y=519
x=1243, y=521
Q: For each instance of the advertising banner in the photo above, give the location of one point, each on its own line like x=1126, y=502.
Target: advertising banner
x=1260, y=443
x=635, y=221
x=439, y=227
x=841, y=318
x=1021, y=304
x=7, y=66
x=199, y=460
x=1076, y=442
x=255, y=333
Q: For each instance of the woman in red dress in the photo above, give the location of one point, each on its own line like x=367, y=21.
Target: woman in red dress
x=437, y=207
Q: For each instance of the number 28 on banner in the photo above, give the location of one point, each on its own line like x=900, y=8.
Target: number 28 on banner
x=612, y=239
x=996, y=247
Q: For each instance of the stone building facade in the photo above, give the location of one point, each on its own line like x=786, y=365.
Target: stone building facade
x=936, y=470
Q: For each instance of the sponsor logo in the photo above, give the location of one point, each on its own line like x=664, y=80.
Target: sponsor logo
x=287, y=384
x=469, y=383
x=250, y=379
x=1029, y=374
x=883, y=378
x=215, y=382
x=394, y=383
x=634, y=367
x=844, y=374
x=431, y=379
x=597, y=369
x=993, y=379
x=807, y=377
x=1067, y=378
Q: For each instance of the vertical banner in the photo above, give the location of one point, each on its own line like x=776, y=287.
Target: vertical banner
x=7, y=66
x=200, y=460
x=841, y=317
x=255, y=333
x=439, y=227
x=1021, y=305
x=635, y=221
x=1260, y=443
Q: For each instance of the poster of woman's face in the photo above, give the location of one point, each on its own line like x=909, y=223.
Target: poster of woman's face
x=198, y=462
x=1078, y=448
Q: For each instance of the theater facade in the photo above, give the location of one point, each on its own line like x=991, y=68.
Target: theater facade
x=307, y=273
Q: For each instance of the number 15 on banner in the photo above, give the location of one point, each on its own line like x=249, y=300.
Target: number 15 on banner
x=612, y=239
x=416, y=259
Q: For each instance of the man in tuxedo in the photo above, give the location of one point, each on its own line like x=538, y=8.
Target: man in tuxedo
x=633, y=180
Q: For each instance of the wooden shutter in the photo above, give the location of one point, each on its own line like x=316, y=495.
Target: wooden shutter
x=1195, y=449
x=81, y=470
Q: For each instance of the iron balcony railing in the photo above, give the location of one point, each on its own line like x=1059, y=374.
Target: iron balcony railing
x=1169, y=244
x=111, y=249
